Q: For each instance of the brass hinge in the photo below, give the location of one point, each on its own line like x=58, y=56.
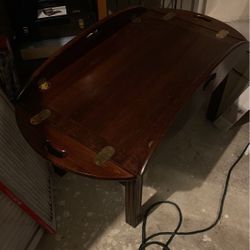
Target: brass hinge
x=104, y=155
x=222, y=34
x=40, y=117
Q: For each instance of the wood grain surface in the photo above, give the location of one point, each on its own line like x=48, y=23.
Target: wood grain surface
x=121, y=83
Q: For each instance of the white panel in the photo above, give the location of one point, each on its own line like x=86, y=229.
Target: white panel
x=228, y=10
x=22, y=170
x=17, y=228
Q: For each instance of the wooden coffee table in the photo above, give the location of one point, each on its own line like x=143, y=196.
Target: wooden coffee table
x=101, y=105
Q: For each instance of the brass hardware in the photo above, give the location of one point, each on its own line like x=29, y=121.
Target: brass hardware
x=81, y=23
x=44, y=85
x=222, y=34
x=104, y=155
x=40, y=117
x=169, y=16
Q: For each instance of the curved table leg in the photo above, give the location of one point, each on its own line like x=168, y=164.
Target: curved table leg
x=133, y=199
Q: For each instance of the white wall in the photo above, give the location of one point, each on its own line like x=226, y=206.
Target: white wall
x=228, y=10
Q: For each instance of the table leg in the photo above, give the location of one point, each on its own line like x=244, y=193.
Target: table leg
x=215, y=100
x=235, y=114
x=133, y=199
x=59, y=171
x=102, y=9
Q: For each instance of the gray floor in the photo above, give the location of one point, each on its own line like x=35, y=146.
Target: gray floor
x=188, y=168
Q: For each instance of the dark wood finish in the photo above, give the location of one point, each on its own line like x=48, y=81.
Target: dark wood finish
x=102, y=9
x=121, y=83
x=59, y=171
x=133, y=199
x=215, y=101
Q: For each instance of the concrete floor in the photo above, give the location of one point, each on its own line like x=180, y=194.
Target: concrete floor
x=188, y=168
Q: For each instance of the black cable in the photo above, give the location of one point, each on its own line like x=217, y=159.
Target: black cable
x=145, y=240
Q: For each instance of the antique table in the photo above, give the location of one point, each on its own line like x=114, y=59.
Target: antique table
x=101, y=105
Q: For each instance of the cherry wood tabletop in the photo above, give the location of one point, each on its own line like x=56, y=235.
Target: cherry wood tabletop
x=100, y=106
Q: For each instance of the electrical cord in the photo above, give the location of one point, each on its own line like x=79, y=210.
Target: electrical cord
x=165, y=246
